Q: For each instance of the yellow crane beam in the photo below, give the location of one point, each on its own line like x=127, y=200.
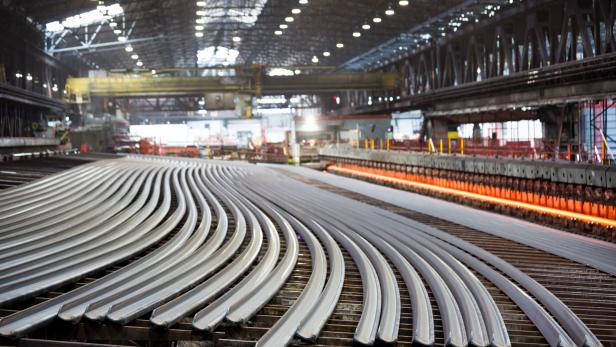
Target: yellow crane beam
x=257, y=84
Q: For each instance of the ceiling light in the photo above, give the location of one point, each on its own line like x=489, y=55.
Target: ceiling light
x=113, y=24
x=326, y=54
x=200, y=21
x=29, y=77
x=377, y=19
x=134, y=56
x=129, y=48
x=283, y=26
x=315, y=59
x=122, y=38
x=340, y=45
x=278, y=32
x=403, y=2
x=390, y=10
x=200, y=13
x=199, y=27
x=117, y=31
x=366, y=26
x=201, y=3
x=199, y=34
x=139, y=63
x=289, y=19
x=296, y=11
x=237, y=39
x=297, y=71
x=357, y=34
x=303, y=2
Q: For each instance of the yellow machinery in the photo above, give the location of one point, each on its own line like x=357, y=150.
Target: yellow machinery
x=245, y=80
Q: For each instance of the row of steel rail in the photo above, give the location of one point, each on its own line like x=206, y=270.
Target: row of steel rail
x=64, y=227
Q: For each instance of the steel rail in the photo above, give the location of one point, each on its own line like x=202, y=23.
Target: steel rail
x=368, y=324
x=174, y=310
x=496, y=334
x=591, y=252
x=44, y=185
x=52, y=214
x=58, y=258
x=495, y=325
x=473, y=320
x=209, y=317
x=11, y=288
x=284, y=329
x=43, y=257
x=423, y=321
x=546, y=324
x=548, y=327
x=47, y=215
x=415, y=239
x=52, y=188
x=193, y=267
x=241, y=310
x=578, y=331
x=32, y=240
x=310, y=328
x=19, y=323
x=17, y=209
x=37, y=285
x=188, y=239
x=453, y=324
x=172, y=281
x=389, y=306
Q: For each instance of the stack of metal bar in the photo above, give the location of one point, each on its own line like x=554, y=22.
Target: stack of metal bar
x=224, y=238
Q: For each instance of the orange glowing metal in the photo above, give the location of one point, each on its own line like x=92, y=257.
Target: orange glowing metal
x=505, y=202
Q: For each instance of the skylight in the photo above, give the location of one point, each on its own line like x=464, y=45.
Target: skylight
x=217, y=56
x=87, y=18
x=280, y=72
x=246, y=12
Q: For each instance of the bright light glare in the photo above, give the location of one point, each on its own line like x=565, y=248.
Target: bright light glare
x=86, y=18
x=279, y=72
x=216, y=56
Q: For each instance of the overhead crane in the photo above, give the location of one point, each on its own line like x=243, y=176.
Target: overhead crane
x=248, y=81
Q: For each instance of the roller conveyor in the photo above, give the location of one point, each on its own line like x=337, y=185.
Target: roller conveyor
x=239, y=254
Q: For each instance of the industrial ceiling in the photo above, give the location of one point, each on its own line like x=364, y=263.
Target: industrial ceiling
x=173, y=33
